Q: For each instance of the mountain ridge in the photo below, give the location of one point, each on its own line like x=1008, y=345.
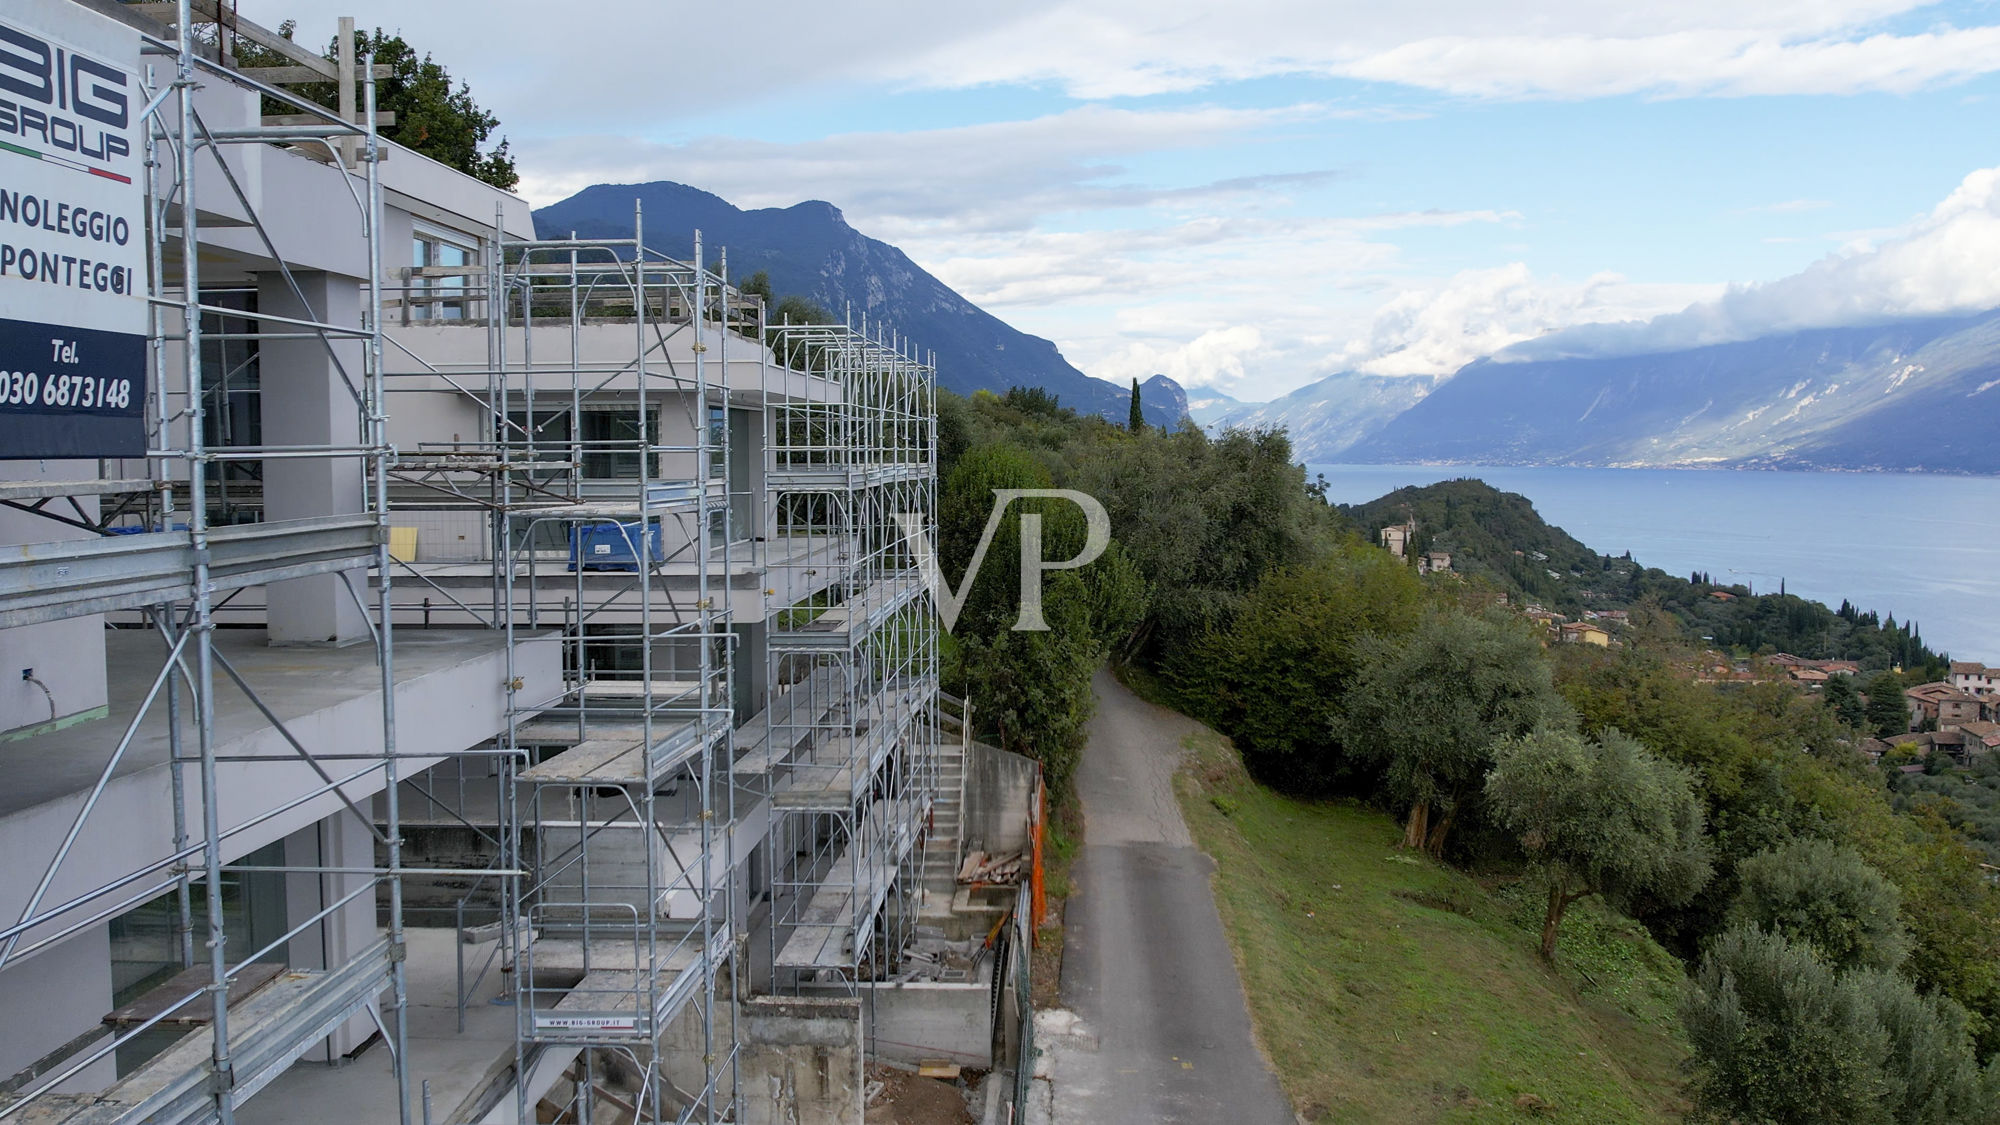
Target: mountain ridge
x=1915, y=394
x=810, y=250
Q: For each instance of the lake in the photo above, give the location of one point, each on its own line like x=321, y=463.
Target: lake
x=1919, y=546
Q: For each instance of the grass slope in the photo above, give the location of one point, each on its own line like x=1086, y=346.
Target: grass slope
x=1388, y=988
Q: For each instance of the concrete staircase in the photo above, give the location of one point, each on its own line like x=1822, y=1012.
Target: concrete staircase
x=943, y=848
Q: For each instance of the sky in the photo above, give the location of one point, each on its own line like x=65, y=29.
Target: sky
x=1249, y=197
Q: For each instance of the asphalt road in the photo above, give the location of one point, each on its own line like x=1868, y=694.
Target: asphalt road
x=1160, y=1032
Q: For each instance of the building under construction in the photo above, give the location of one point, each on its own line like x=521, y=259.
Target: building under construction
x=450, y=675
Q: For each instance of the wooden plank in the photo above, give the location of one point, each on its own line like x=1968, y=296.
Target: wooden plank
x=382, y=118
x=598, y=759
x=173, y=995
x=206, y=11
x=286, y=75
x=39, y=489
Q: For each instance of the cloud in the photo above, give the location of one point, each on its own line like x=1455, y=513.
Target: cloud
x=1000, y=175
x=1940, y=264
x=1479, y=312
x=664, y=63
x=1130, y=48
x=1216, y=358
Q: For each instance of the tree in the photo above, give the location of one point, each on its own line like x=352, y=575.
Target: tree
x=1887, y=711
x=1844, y=700
x=1429, y=711
x=1605, y=818
x=432, y=118
x=1780, y=1036
x=1136, y=421
x=1274, y=679
x=1827, y=897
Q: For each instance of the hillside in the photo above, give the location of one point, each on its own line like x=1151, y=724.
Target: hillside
x=1386, y=987
x=809, y=250
x=1497, y=538
x=1911, y=394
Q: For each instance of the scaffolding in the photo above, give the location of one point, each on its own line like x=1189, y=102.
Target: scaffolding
x=599, y=477
x=848, y=745
x=704, y=513
x=182, y=564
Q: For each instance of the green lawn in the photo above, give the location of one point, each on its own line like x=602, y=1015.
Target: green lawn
x=1386, y=987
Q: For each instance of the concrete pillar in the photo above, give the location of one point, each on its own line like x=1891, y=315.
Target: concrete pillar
x=338, y=841
x=307, y=402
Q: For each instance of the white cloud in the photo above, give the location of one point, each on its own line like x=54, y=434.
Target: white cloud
x=1440, y=329
x=1465, y=47
x=995, y=176
x=1216, y=358
x=628, y=66
x=1941, y=263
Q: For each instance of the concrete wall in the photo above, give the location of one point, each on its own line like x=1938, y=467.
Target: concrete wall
x=930, y=1020
x=68, y=655
x=55, y=999
x=801, y=1061
x=998, y=787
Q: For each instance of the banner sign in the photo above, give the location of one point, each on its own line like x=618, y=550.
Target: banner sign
x=72, y=235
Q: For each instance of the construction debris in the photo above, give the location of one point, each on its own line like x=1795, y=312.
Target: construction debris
x=980, y=868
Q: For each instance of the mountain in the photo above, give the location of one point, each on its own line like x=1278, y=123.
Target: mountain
x=809, y=251
x=1909, y=395
x=1159, y=397
x=1326, y=418
x=1208, y=406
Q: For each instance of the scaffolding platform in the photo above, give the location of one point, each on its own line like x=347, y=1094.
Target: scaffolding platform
x=756, y=753
x=843, y=478
x=836, y=626
x=661, y=497
x=838, y=771
x=609, y=1001
x=613, y=755
x=269, y=1030
x=18, y=490
x=840, y=917
x=74, y=577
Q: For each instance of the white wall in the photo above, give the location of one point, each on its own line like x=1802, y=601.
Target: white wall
x=53, y=1000
x=67, y=655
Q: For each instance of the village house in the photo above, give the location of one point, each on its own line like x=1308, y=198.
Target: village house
x=1434, y=562
x=1583, y=632
x=1396, y=538
x=1974, y=678
x=1943, y=706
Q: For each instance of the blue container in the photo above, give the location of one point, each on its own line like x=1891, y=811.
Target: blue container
x=611, y=546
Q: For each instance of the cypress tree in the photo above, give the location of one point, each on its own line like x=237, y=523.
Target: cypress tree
x=1136, y=421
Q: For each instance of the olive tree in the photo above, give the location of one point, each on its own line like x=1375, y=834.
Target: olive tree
x=1429, y=709
x=1603, y=817
x=1780, y=1036
x=1824, y=895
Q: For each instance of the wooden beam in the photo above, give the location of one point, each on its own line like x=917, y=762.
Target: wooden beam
x=206, y=11
x=282, y=75
x=349, y=111
x=383, y=118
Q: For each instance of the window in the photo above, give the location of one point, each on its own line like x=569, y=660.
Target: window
x=431, y=247
x=611, y=442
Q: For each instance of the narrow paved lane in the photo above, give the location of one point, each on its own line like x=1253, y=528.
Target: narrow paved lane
x=1160, y=1033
